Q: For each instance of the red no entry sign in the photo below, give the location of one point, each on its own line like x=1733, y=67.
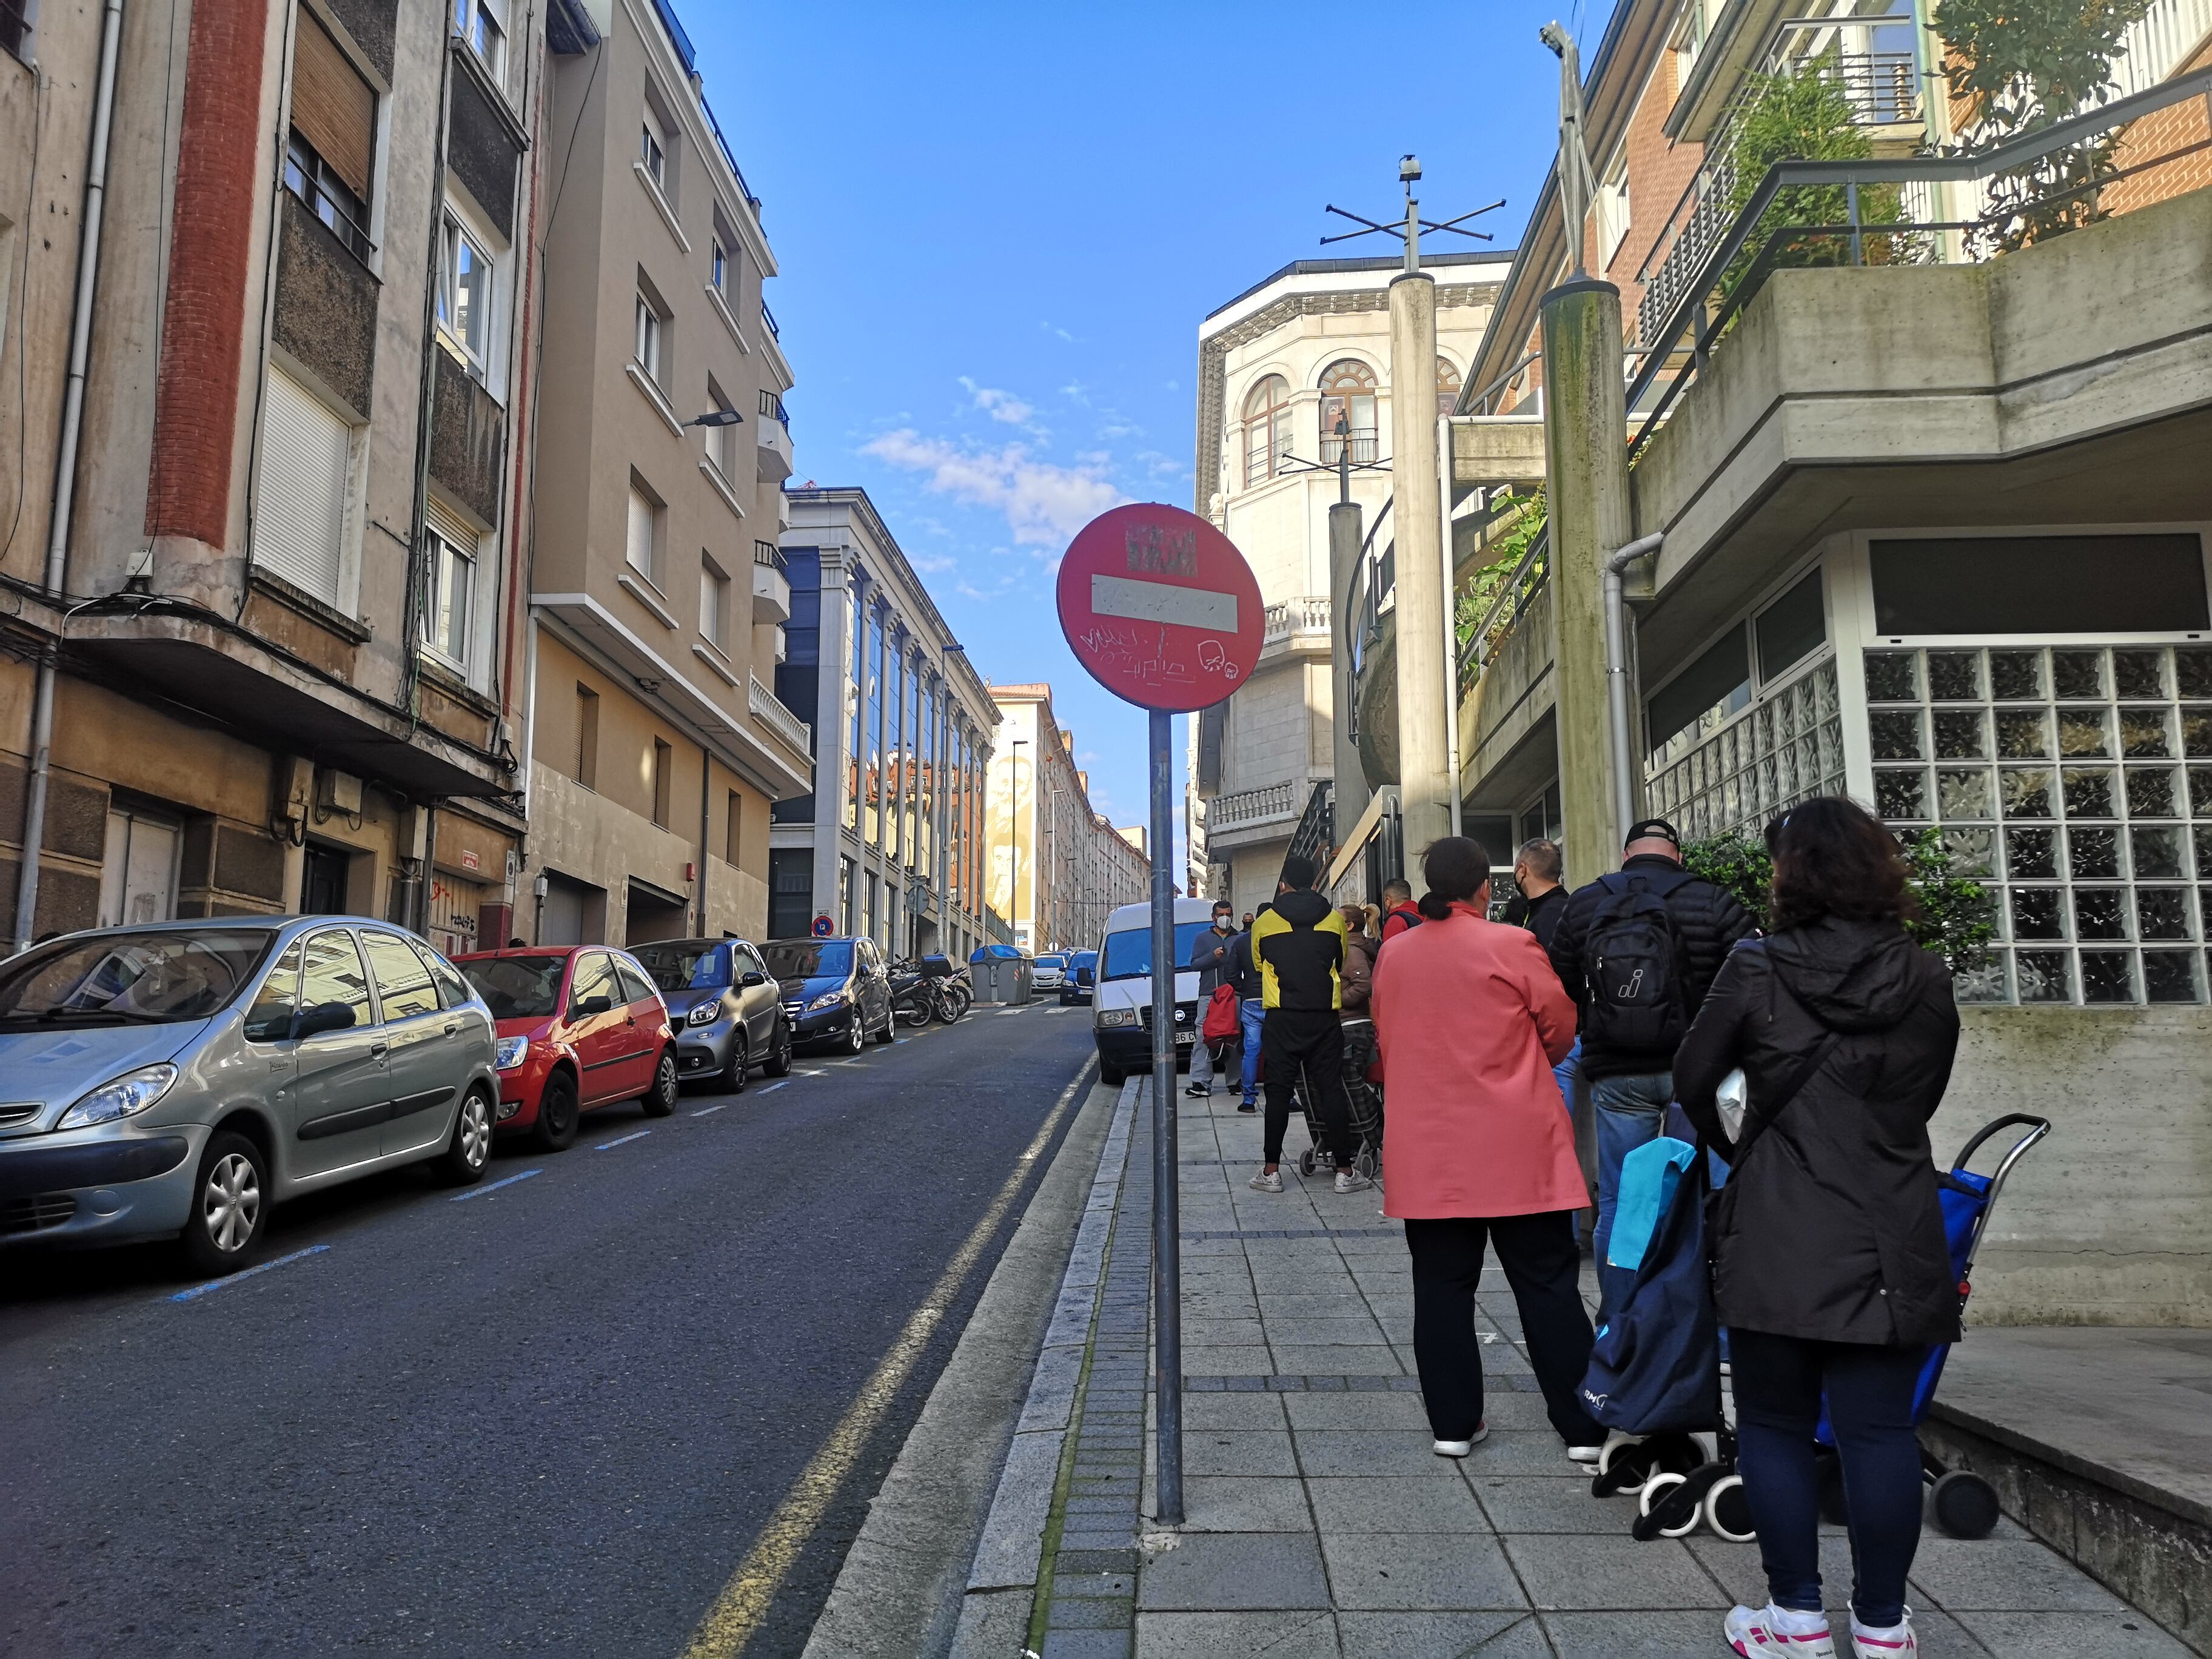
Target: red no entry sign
x=1160, y=607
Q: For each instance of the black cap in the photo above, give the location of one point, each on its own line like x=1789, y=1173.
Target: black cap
x=1645, y=827
x=1298, y=871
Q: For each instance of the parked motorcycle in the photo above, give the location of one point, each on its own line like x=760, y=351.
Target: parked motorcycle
x=913, y=994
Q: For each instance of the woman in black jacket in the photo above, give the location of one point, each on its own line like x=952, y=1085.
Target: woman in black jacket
x=1830, y=1268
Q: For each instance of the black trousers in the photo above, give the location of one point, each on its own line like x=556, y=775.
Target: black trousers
x=1543, y=1267
x=1295, y=1044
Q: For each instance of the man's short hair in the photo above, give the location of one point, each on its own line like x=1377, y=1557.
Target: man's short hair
x=1542, y=857
x=1395, y=889
x=1219, y=905
x=1299, y=871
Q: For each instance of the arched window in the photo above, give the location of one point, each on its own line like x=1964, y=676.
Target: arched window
x=1267, y=429
x=1447, y=385
x=1347, y=396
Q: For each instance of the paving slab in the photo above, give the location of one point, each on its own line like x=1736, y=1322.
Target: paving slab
x=1423, y=1571
x=1393, y=1504
x=1614, y=1572
x=1235, y=1572
x=1303, y=1634
x=1236, y=1503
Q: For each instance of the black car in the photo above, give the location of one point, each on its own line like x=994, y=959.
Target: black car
x=1082, y=979
x=836, y=991
x=726, y=1009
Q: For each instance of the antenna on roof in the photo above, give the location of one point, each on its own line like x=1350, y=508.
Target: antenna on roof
x=1412, y=226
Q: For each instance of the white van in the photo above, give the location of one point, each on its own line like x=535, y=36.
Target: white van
x=1121, y=1010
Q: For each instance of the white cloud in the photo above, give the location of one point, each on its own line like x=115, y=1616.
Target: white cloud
x=1044, y=504
x=998, y=406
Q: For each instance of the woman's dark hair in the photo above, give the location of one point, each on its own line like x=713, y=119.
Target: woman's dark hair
x=1833, y=858
x=1454, y=867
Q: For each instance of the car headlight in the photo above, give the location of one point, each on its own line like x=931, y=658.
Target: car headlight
x=829, y=999
x=128, y=1095
x=705, y=1014
x=511, y=1051
x=1117, y=1017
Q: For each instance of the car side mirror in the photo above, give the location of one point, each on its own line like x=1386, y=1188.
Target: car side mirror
x=591, y=1006
x=321, y=1018
x=750, y=979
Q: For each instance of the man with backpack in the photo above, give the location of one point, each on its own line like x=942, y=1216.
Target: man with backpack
x=1207, y=954
x=1399, y=911
x=1637, y=950
x=1299, y=946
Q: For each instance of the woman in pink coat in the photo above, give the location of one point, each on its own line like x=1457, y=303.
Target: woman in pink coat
x=1470, y=1020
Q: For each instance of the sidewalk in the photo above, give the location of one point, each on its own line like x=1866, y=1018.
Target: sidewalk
x=1318, y=1521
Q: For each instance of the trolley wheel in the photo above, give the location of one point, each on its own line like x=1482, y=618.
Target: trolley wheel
x=1966, y=1505
x=1727, y=1511
x=1835, y=1510
x=1661, y=1506
x=1366, y=1162
x=1306, y=1163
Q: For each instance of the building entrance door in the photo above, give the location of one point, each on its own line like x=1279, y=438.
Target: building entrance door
x=323, y=882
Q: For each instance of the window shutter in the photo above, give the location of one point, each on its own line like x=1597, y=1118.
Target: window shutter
x=640, y=550
x=300, y=508
x=451, y=525
x=334, y=109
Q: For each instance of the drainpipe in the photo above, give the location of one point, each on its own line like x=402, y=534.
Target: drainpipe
x=706, y=792
x=57, y=537
x=1616, y=669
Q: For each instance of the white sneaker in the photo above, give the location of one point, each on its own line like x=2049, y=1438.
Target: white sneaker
x=1777, y=1630
x=1462, y=1448
x=1583, y=1454
x=1351, y=1181
x=1267, y=1181
x=1898, y=1642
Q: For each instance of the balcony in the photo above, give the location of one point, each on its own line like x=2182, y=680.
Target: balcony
x=772, y=436
x=1296, y=625
x=1268, y=813
x=771, y=584
x=1360, y=441
x=769, y=711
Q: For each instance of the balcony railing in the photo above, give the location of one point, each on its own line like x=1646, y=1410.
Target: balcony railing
x=1271, y=800
x=1314, y=837
x=768, y=553
x=1498, y=624
x=767, y=322
x=766, y=708
x=771, y=408
x=1882, y=89
x=1360, y=441
x=1307, y=614
x=2040, y=185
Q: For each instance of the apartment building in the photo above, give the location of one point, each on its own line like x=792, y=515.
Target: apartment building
x=1280, y=367
x=1927, y=453
x=658, y=596
x=888, y=842
x=266, y=268
x=1057, y=867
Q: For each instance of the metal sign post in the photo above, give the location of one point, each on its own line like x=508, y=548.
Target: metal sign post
x=1161, y=610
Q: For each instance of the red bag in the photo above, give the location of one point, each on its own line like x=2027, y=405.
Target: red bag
x=1220, y=1023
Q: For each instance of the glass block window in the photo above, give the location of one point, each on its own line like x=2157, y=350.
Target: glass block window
x=1735, y=769
x=2076, y=781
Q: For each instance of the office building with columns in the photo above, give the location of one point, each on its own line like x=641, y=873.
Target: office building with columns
x=890, y=842
x=1058, y=866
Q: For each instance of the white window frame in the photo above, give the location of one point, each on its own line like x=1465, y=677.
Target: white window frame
x=718, y=265
x=722, y=441
x=452, y=576
x=645, y=507
x=715, y=603
x=653, y=151
x=483, y=23
x=1614, y=212
x=455, y=233
x=651, y=334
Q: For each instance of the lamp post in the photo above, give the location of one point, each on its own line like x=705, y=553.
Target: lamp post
x=1014, y=837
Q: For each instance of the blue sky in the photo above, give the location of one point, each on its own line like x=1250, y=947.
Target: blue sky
x=999, y=227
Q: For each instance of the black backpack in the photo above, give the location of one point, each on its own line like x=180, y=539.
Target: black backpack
x=1637, y=1002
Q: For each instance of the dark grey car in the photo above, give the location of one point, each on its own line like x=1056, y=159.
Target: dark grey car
x=724, y=1006
x=182, y=1078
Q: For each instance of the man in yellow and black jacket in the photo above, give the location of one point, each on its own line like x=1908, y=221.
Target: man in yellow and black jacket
x=1299, y=948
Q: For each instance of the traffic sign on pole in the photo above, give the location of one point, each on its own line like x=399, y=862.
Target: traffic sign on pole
x=1161, y=609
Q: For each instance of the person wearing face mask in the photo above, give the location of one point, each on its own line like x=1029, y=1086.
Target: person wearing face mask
x=1209, y=954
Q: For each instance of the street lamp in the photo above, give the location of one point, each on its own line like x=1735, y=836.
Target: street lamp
x=716, y=417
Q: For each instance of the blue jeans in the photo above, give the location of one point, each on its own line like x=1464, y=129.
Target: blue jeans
x=1780, y=1382
x=1568, y=1074
x=1631, y=1111
x=1251, y=1014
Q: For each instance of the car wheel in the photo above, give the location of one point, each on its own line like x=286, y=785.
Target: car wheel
x=659, y=1101
x=557, y=1115
x=778, y=1063
x=230, y=1206
x=462, y=1163
x=856, y=1035
x=1109, y=1075
x=890, y=1033
x=740, y=1066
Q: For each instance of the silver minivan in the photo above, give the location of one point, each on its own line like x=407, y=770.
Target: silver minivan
x=180, y=1079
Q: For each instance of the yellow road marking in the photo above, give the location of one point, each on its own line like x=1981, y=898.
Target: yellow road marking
x=738, y=1611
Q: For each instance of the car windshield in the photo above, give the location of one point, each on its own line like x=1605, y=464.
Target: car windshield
x=685, y=967
x=809, y=958
x=517, y=988
x=1052, y=961
x=1129, y=955
x=150, y=978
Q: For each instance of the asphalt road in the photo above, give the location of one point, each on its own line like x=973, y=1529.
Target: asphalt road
x=549, y=1417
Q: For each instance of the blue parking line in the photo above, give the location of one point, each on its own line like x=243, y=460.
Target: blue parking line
x=773, y=1087
x=492, y=1186
x=708, y=1111
x=623, y=1140
x=217, y=1284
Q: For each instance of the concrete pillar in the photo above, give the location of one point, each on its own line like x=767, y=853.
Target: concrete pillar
x=1416, y=520
x=1586, y=486
x=1344, y=537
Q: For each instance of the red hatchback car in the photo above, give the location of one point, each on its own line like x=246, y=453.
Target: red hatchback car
x=579, y=1026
